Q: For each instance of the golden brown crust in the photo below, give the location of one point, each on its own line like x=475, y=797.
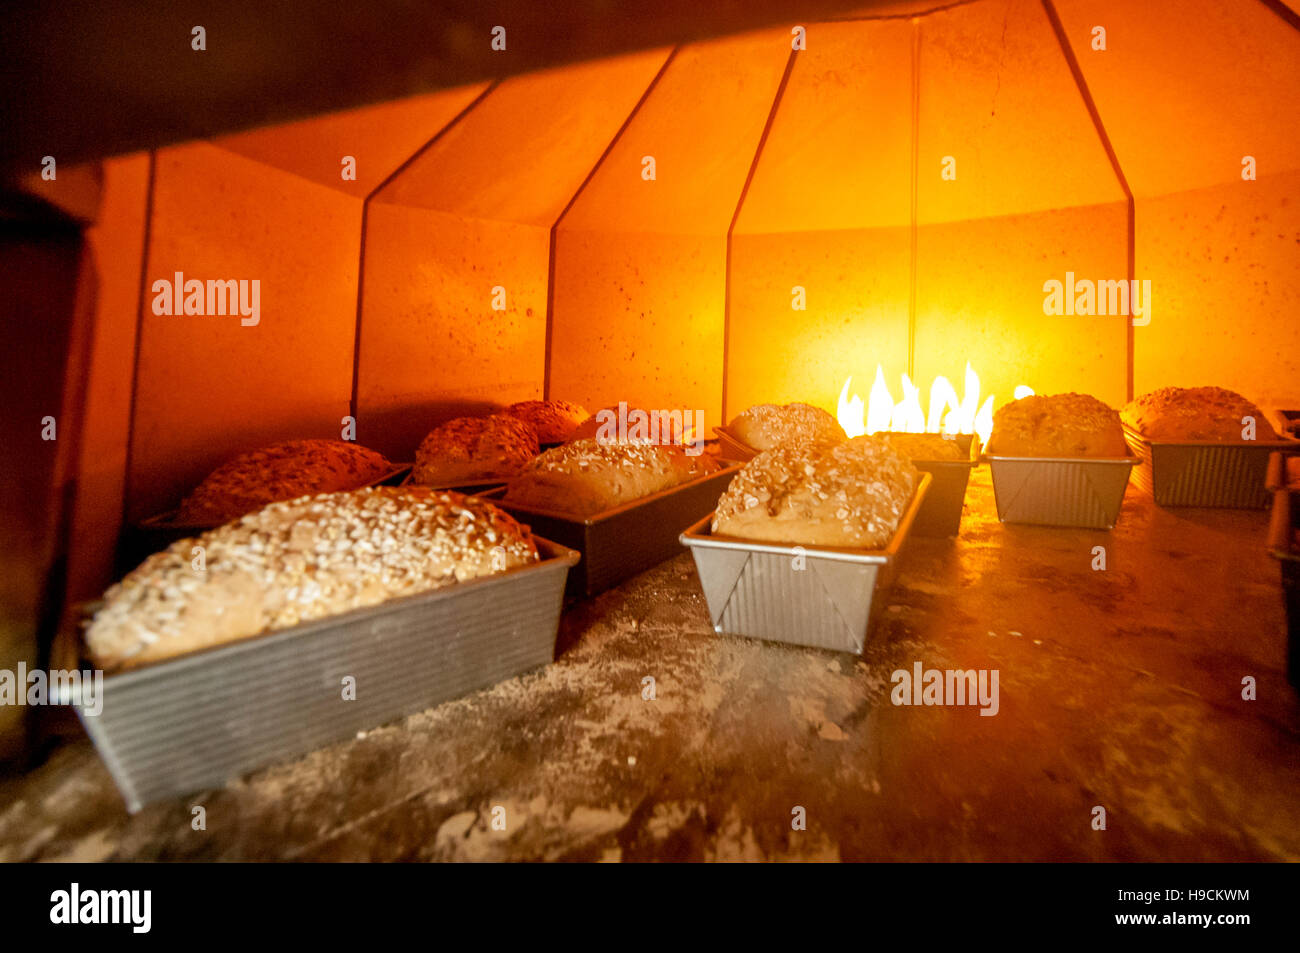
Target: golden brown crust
x=849, y=494
x=588, y=476
x=1057, y=425
x=1195, y=413
x=923, y=446
x=282, y=471
x=291, y=562
x=474, y=448
x=601, y=426
x=765, y=426
x=553, y=420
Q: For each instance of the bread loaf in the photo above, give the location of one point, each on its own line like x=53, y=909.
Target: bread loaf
x=1057, y=425
x=588, y=476
x=922, y=446
x=280, y=472
x=304, y=559
x=850, y=494
x=1195, y=413
x=604, y=424
x=474, y=448
x=765, y=426
x=552, y=420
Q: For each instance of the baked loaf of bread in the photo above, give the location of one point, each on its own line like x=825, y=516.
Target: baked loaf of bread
x=1059, y=425
x=280, y=472
x=922, y=446
x=588, y=476
x=553, y=420
x=474, y=448
x=304, y=559
x=765, y=426
x=604, y=424
x=1195, y=413
x=849, y=494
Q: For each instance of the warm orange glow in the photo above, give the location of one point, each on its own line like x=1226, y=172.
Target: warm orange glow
x=949, y=412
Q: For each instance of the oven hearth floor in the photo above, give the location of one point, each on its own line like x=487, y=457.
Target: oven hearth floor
x=1118, y=688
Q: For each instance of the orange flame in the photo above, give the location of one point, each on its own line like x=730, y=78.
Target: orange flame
x=948, y=413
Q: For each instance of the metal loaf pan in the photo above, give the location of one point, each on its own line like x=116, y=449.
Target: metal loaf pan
x=732, y=448
x=940, y=514
x=1084, y=492
x=469, y=489
x=619, y=543
x=197, y=721
x=1285, y=548
x=819, y=596
x=1204, y=472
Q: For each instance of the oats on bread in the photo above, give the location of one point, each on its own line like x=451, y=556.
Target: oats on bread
x=299, y=560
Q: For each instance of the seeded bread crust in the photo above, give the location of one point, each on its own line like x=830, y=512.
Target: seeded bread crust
x=1057, y=425
x=474, y=448
x=765, y=426
x=587, y=476
x=295, y=561
x=1195, y=413
x=922, y=446
x=849, y=494
x=280, y=472
x=553, y=420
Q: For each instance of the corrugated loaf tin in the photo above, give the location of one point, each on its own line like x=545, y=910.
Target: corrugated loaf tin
x=819, y=596
x=940, y=514
x=196, y=721
x=621, y=542
x=1085, y=492
x=1283, y=545
x=1203, y=472
x=732, y=448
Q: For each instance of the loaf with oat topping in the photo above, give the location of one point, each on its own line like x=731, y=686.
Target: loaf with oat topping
x=553, y=420
x=765, y=426
x=588, y=476
x=1195, y=413
x=295, y=561
x=922, y=446
x=850, y=494
x=1057, y=425
x=474, y=448
x=280, y=472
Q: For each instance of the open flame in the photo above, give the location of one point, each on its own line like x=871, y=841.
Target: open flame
x=948, y=413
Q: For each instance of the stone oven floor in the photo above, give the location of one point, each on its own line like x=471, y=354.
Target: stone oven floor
x=1119, y=688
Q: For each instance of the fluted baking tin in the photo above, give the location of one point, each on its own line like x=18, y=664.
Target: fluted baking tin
x=196, y=721
x=1204, y=472
x=621, y=542
x=732, y=448
x=1085, y=492
x=940, y=514
x=820, y=596
x=1283, y=545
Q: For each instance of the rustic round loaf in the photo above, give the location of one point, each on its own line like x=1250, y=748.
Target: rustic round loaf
x=1057, y=425
x=280, y=472
x=850, y=494
x=1195, y=413
x=474, y=448
x=765, y=426
x=553, y=420
x=922, y=446
x=588, y=476
x=303, y=559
